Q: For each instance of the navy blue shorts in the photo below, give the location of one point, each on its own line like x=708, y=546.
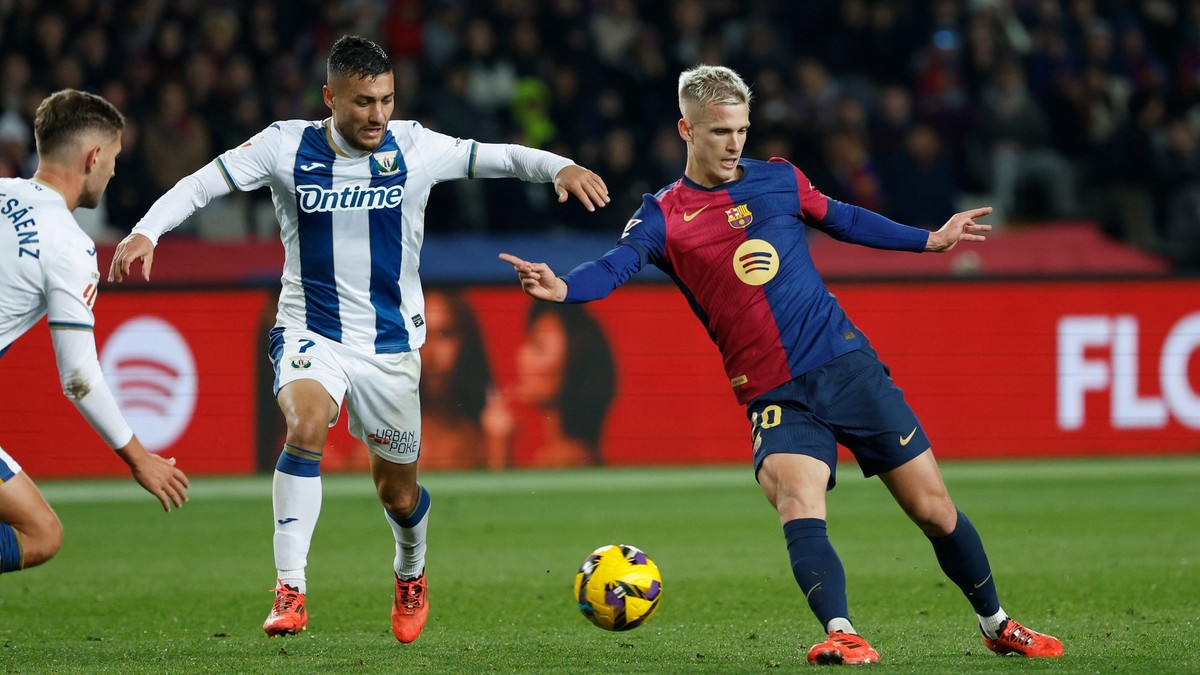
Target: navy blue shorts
x=850, y=400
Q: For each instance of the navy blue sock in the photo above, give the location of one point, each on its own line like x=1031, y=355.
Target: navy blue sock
x=817, y=568
x=10, y=549
x=964, y=561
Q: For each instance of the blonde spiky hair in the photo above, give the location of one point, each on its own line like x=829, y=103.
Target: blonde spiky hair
x=706, y=85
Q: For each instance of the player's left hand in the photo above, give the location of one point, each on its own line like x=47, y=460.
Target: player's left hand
x=960, y=227
x=587, y=187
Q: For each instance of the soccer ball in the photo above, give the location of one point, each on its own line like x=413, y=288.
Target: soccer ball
x=618, y=587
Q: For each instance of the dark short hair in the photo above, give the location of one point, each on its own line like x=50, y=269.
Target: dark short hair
x=357, y=56
x=65, y=114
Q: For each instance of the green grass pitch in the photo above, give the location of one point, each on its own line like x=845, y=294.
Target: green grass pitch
x=1104, y=554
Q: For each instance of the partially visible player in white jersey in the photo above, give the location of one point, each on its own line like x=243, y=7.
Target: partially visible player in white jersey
x=48, y=267
x=350, y=194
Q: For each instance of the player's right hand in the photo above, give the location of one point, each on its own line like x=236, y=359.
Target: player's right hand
x=161, y=479
x=157, y=474
x=132, y=248
x=537, y=279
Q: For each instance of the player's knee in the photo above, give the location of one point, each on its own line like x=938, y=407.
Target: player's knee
x=935, y=517
x=400, y=503
x=307, y=431
x=41, y=542
x=400, y=500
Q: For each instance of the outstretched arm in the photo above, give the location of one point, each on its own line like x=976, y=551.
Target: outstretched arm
x=537, y=279
x=960, y=227
x=189, y=194
x=496, y=160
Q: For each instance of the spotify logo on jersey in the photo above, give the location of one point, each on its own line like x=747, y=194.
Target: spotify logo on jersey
x=755, y=262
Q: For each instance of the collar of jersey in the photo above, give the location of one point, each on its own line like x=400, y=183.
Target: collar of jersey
x=723, y=186
x=339, y=144
x=53, y=189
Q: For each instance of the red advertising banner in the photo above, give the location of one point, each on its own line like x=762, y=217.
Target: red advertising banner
x=993, y=369
x=182, y=366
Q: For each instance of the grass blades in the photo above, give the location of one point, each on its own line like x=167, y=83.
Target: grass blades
x=1102, y=553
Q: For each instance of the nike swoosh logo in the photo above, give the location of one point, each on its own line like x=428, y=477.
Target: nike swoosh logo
x=310, y=167
x=687, y=217
x=985, y=580
x=905, y=439
x=91, y=251
x=285, y=521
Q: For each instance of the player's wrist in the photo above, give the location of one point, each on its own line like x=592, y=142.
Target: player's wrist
x=933, y=242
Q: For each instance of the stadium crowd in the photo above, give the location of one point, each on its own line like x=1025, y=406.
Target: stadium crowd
x=1046, y=109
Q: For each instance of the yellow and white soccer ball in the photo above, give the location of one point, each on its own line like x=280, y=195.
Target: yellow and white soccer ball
x=618, y=587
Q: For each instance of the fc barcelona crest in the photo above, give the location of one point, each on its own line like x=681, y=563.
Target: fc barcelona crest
x=385, y=162
x=739, y=216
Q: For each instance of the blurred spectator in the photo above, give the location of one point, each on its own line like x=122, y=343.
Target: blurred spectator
x=855, y=177
x=133, y=188
x=891, y=121
x=15, y=138
x=1123, y=175
x=614, y=27
x=1011, y=151
x=921, y=189
x=940, y=87
x=666, y=159
x=1178, y=166
x=175, y=140
x=491, y=77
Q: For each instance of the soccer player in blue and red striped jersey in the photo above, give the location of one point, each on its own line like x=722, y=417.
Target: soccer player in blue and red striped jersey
x=731, y=234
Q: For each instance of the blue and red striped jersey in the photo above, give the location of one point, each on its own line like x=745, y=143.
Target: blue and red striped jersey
x=738, y=253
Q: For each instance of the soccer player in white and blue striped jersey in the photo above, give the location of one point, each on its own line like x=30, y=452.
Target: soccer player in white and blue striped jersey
x=48, y=269
x=350, y=194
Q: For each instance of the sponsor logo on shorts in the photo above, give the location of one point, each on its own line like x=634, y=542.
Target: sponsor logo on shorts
x=396, y=441
x=905, y=439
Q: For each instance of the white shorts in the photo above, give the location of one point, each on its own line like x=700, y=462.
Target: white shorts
x=381, y=390
x=8, y=466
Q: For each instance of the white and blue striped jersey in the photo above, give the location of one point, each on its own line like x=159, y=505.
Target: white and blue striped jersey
x=48, y=268
x=47, y=263
x=351, y=227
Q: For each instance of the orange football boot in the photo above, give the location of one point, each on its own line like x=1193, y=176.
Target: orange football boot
x=842, y=649
x=288, y=615
x=410, y=608
x=1017, y=639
